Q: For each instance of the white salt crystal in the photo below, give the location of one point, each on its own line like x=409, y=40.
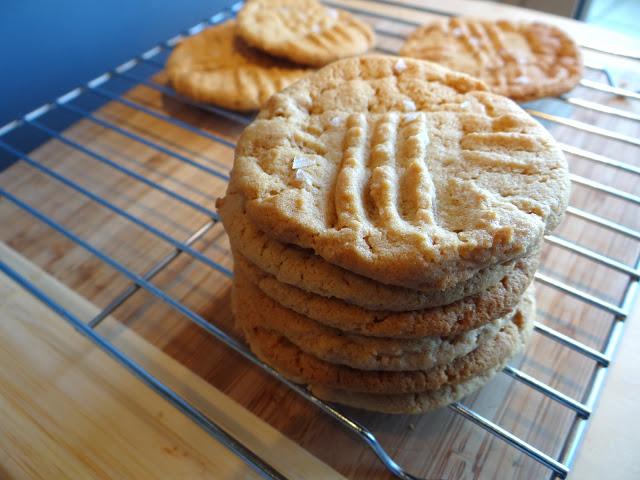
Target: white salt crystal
x=522, y=79
x=409, y=105
x=332, y=13
x=315, y=28
x=465, y=104
x=412, y=116
x=300, y=161
x=457, y=32
x=336, y=121
x=400, y=66
x=304, y=177
x=474, y=41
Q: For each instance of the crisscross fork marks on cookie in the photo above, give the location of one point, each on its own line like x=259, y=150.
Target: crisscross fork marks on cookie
x=384, y=177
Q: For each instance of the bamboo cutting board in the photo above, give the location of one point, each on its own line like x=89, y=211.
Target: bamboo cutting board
x=70, y=411
x=284, y=429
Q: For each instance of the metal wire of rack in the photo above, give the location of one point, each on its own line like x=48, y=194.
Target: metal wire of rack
x=582, y=408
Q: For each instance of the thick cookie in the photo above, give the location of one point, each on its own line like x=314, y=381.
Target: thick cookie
x=303, y=269
x=402, y=171
x=357, y=351
x=303, y=31
x=216, y=67
x=301, y=367
x=414, y=403
x=458, y=317
x=407, y=403
x=520, y=60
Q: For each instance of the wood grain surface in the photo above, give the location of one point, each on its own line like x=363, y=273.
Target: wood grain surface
x=71, y=411
x=440, y=445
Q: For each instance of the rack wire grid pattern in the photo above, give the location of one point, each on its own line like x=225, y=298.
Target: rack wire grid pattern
x=557, y=467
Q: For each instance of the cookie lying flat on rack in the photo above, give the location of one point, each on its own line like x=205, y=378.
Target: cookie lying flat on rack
x=521, y=60
x=215, y=66
x=304, y=31
x=301, y=268
x=401, y=171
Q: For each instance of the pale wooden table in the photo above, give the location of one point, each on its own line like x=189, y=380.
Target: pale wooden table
x=71, y=409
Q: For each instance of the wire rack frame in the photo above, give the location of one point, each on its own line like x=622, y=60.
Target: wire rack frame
x=559, y=467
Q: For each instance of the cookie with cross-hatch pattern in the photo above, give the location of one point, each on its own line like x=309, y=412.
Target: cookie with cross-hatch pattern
x=522, y=60
x=304, y=31
x=402, y=171
x=215, y=66
x=300, y=268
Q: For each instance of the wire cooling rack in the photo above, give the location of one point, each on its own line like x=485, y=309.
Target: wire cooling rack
x=389, y=27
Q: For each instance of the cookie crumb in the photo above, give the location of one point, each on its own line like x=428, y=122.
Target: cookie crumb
x=400, y=66
x=409, y=105
x=301, y=161
x=304, y=177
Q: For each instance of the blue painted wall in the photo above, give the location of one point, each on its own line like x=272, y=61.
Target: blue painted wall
x=48, y=47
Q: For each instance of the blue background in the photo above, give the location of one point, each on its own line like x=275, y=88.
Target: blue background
x=49, y=47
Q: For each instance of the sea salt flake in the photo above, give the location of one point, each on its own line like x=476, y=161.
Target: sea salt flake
x=304, y=177
x=474, y=41
x=301, y=161
x=465, y=104
x=336, y=121
x=316, y=28
x=411, y=116
x=400, y=66
x=457, y=32
x=332, y=13
x=409, y=105
x=522, y=79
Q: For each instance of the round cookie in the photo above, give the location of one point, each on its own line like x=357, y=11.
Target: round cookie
x=407, y=403
x=458, y=317
x=356, y=351
x=303, y=31
x=414, y=403
x=301, y=367
x=402, y=171
x=216, y=67
x=521, y=60
x=303, y=269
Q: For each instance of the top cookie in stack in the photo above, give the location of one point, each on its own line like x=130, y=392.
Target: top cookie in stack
x=239, y=65
x=386, y=216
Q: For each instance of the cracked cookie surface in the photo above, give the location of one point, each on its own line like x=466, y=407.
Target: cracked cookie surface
x=301, y=268
x=401, y=171
x=521, y=60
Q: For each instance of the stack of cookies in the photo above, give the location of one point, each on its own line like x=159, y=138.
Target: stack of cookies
x=240, y=64
x=386, y=216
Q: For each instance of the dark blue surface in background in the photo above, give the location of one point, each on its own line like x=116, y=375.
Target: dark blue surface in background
x=49, y=47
